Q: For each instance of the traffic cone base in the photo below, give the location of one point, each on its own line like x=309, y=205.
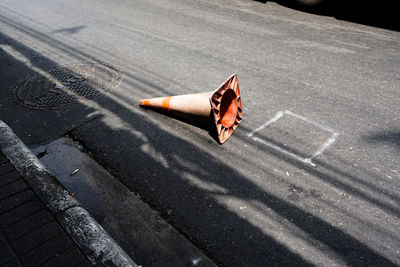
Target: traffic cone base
x=227, y=108
x=224, y=104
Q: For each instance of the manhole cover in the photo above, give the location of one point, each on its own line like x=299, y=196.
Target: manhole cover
x=66, y=85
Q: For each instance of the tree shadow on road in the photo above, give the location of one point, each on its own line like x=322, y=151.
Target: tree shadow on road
x=390, y=137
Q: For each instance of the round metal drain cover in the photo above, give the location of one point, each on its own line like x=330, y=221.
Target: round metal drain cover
x=64, y=86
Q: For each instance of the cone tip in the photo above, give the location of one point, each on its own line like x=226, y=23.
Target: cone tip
x=143, y=102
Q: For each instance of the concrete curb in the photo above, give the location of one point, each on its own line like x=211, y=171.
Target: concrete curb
x=93, y=240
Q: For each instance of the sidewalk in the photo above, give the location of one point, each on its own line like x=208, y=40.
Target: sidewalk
x=30, y=235
x=41, y=224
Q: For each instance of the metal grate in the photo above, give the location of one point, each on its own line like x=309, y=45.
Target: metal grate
x=66, y=85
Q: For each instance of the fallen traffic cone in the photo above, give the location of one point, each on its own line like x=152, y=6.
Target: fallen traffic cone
x=224, y=104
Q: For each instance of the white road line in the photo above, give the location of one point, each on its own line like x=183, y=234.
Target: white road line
x=274, y=119
x=321, y=149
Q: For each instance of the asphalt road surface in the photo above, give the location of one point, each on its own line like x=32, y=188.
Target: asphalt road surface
x=311, y=176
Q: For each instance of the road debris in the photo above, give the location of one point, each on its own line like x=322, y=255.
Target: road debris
x=74, y=172
x=41, y=154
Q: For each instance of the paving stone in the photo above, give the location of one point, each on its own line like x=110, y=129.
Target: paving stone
x=15, y=200
x=20, y=212
x=48, y=250
x=27, y=224
x=71, y=257
x=37, y=237
x=13, y=188
x=5, y=167
x=6, y=252
x=9, y=177
x=14, y=263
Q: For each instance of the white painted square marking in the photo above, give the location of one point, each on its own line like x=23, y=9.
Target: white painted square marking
x=333, y=134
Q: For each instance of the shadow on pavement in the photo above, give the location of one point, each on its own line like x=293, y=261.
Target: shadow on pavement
x=390, y=137
x=381, y=14
x=277, y=253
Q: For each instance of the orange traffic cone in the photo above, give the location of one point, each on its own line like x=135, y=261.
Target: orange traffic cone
x=224, y=104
